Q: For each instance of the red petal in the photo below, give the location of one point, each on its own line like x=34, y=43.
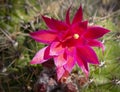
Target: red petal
x=83, y=24
x=43, y=36
x=60, y=60
x=95, y=32
x=87, y=54
x=83, y=65
x=79, y=42
x=78, y=16
x=68, y=16
x=41, y=56
x=55, y=24
x=80, y=28
x=96, y=43
x=60, y=72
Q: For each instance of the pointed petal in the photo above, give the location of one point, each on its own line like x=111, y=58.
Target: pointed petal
x=55, y=24
x=68, y=16
x=83, y=65
x=88, y=54
x=95, y=32
x=60, y=71
x=56, y=48
x=60, y=60
x=78, y=16
x=44, y=36
x=41, y=56
x=80, y=28
x=70, y=63
x=83, y=24
x=71, y=60
x=96, y=43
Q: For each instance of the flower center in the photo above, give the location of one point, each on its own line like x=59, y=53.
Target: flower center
x=76, y=36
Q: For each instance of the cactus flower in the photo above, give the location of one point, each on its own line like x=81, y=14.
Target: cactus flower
x=68, y=43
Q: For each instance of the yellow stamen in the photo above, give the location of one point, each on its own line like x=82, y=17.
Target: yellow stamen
x=76, y=36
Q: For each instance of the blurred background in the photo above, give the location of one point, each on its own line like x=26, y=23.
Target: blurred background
x=19, y=17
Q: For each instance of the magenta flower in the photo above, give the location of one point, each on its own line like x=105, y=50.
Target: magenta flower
x=69, y=43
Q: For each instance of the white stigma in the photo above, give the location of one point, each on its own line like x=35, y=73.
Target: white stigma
x=76, y=36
